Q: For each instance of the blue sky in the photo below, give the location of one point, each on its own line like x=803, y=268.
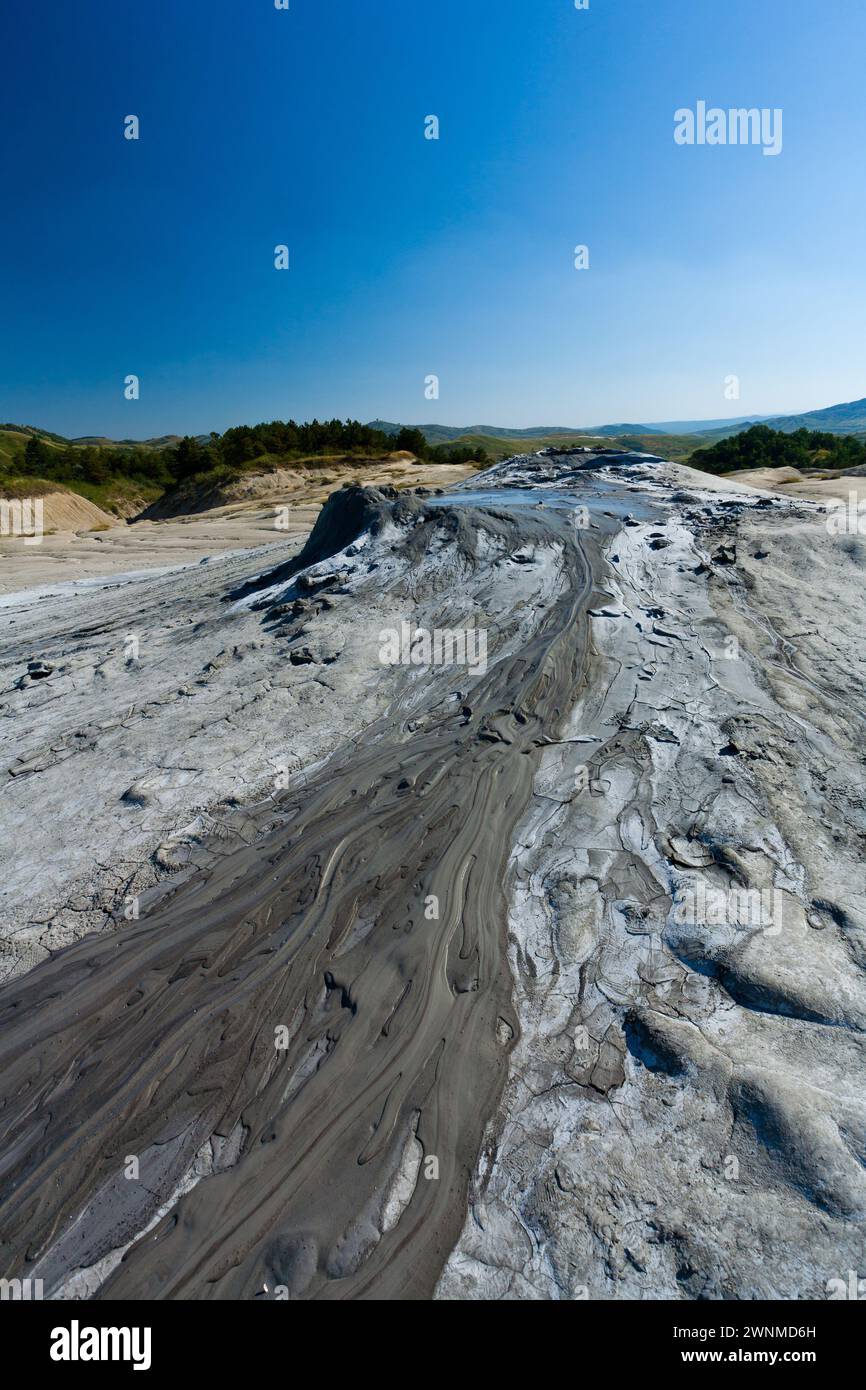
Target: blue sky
x=412, y=257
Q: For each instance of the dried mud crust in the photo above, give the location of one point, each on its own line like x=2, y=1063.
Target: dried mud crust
x=684, y=1115
x=507, y=1070
x=300, y=1167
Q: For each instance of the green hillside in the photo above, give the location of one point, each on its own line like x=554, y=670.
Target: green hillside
x=504, y=446
x=126, y=476
x=120, y=477
x=12, y=443
x=449, y=434
x=668, y=446
x=849, y=418
x=677, y=448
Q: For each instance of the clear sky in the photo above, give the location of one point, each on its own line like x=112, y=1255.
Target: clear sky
x=412, y=257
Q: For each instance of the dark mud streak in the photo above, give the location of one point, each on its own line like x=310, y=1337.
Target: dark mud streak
x=163, y=1033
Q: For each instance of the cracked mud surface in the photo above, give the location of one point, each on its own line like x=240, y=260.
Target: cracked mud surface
x=684, y=1116
x=456, y=906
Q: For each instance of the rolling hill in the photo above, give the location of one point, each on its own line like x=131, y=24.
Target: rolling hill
x=128, y=489
x=849, y=418
x=447, y=434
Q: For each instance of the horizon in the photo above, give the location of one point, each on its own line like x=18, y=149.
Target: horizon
x=435, y=862
x=411, y=258
x=759, y=417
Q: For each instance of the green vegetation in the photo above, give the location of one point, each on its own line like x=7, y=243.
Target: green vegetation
x=124, y=496
x=12, y=443
x=502, y=446
x=125, y=476
x=493, y=447
x=763, y=447
x=674, y=447
x=28, y=487
x=287, y=440
x=74, y=463
x=117, y=479
x=116, y=475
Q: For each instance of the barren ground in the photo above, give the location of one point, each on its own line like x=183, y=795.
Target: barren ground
x=444, y=979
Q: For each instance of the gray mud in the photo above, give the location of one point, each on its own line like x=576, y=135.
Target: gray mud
x=424, y=1020
x=159, y=1040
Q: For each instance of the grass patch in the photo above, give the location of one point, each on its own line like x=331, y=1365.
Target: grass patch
x=119, y=493
x=29, y=487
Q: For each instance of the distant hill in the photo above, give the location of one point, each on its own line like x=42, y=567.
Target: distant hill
x=835, y=419
x=447, y=434
x=849, y=418
x=18, y=435
x=122, y=475
x=611, y=431
x=33, y=429
x=502, y=446
x=101, y=441
x=703, y=426
x=702, y=438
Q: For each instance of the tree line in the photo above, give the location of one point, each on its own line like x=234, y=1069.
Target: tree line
x=763, y=447
x=235, y=450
